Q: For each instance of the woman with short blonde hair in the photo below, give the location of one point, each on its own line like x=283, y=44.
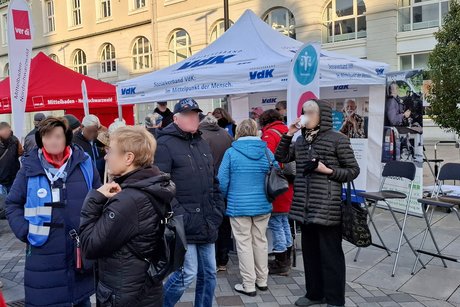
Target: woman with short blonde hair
x=247, y=127
x=124, y=209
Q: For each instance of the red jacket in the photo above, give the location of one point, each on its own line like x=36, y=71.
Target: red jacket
x=282, y=203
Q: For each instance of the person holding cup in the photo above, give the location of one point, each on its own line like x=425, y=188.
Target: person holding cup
x=324, y=161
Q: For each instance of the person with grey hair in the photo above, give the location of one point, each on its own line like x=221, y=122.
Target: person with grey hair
x=353, y=125
x=86, y=138
x=219, y=140
x=29, y=141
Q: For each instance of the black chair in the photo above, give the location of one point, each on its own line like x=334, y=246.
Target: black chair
x=397, y=170
x=448, y=172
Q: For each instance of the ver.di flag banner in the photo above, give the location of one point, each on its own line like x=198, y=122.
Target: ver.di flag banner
x=303, y=79
x=19, y=56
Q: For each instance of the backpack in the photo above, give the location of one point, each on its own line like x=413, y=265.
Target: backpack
x=172, y=252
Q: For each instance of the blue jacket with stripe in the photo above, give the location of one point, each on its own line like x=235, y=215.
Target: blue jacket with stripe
x=50, y=277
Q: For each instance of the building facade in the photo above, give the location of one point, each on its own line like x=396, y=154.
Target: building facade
x=117, y=40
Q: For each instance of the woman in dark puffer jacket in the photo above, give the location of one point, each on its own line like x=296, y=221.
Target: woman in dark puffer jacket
x=324, y=161
x=119, y=223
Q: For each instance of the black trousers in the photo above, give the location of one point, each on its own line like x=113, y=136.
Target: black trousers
x=324, y=263
x=224, y=242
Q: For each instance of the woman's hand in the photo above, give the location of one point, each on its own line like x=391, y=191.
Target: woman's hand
x=323, y=169
x=109, y=190
x=293, y=127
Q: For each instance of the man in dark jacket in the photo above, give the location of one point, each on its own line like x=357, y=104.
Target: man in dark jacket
x=29, y=141
x=120, y=226
x=10, y=151
x=163, y=110
x=219, y=140
x=188, y=158
x=324, y=161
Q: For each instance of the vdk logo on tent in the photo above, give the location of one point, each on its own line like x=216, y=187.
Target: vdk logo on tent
x=306, y=65
x=219, y=59
x=128, y=91
x=21, y=25
x=261, y=74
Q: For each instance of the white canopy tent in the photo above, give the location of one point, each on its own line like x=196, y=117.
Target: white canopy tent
x=250, y=57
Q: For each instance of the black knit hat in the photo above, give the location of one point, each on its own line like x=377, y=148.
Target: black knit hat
x=74, y=123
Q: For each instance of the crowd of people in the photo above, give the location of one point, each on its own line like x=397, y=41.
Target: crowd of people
x=85, y=199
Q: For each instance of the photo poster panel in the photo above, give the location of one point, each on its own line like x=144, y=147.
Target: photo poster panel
x=402, y=138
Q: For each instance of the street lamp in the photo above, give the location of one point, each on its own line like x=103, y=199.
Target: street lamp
x=226, y=16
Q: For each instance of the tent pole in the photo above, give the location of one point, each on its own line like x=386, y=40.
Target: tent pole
x=120, y=113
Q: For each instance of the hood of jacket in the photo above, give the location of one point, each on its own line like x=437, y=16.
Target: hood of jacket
x=250, y=146
x=325, y=117
x=151, y=180
x=209, y=127
x=174, y=130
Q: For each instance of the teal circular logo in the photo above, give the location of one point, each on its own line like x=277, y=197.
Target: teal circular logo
x=306, y=65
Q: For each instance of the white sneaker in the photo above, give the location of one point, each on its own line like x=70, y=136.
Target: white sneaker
x=241, y=289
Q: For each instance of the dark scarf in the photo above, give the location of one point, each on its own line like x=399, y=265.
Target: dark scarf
x=311, y=134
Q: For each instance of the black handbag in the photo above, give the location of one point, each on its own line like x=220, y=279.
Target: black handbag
x=275, y=181
x=354, y=220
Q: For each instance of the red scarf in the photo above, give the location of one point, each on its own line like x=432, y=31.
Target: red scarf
x=56, y=164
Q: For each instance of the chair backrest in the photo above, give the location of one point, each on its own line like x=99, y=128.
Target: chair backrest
x=399, y=169
x=449, y=171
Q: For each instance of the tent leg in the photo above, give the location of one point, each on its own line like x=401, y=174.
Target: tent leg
x=120, y=113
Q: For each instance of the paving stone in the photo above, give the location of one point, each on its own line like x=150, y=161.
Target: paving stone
x=402, y=298
x=281, y=292
x=282, y=300
x=267, y=298
x=229, y=301
x=378, y=299
x=389, y=304
x=363, y=292
x=293, y=286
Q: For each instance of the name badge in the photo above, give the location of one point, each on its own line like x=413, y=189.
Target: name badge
x=56, y=194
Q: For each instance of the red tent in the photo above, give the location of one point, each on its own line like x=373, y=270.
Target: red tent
x=55, y=87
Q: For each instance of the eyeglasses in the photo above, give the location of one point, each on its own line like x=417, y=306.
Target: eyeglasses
x=277, y=109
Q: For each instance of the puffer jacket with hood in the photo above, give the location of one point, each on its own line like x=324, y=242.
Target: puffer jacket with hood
x=242, y=177
x=318, y=197
x=112, y=228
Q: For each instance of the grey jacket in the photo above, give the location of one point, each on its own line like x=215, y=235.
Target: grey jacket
x=318, y=197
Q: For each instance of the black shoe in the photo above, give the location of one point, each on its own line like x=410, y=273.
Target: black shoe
x=305, y=302
x=240, y=289
x=263, y=289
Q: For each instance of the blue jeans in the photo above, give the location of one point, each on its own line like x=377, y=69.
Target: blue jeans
x=281, y=231
x=200, y=262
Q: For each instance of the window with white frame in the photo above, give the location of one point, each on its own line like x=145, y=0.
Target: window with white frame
x=108, y=59
x=282, y=20
x=142, y=54
x=75, y=6
x=414, y=61
x=79, y=62
x=179, y=46
x=421, y=14
x=218, y=30
x=50, y=25
x=4, y=29
x=138, y=4
x=105, y=9
x=54, y=57
x=344, y=20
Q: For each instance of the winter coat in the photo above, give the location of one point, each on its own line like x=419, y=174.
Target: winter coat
x=271, y=134
x=168, y=117
x=188, y=159
x=96, y=153
x=29, y=140
x=109, y=226
x=50, y=276
x=9, y=164
x=242, y=177
x=317, y=197
x=218, y=139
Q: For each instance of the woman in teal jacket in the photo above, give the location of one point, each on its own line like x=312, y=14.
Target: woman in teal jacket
x=242, y=181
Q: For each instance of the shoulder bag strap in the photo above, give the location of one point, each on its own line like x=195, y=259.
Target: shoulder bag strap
x=268, y=158
x=277, y=132
x=4, y=153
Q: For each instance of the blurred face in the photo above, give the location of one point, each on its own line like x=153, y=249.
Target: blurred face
x=118, y=161
x=217, y=114
x=187, y=122
x=313, y=116
x=281, y=111
x=394, y=90
x=90, y=133
x=5, y=133
x=54, y=141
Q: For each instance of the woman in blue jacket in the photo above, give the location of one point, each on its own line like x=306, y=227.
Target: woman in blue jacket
x=43, y=210
x=242, y=181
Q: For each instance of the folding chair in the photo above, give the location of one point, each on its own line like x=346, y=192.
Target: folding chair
x=448, y=172
x=396, y=170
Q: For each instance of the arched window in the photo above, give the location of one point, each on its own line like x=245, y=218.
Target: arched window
x=54, y=57
x=218, y=30
x=344, y=20
x=79, y=62
x=142, y=54
x=282, y=20
x=108, y=59
x=179, y=46
x=418, y=14
x=6, y=70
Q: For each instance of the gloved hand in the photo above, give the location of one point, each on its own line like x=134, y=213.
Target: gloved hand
x=310, y=167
